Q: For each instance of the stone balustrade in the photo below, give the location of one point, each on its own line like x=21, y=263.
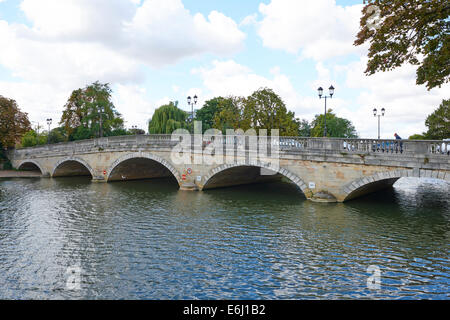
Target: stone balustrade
x=284, y=144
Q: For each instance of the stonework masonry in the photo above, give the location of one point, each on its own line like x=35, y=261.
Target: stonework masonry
x=328, y=170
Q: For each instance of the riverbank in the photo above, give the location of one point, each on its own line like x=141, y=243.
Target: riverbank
x=19, y=174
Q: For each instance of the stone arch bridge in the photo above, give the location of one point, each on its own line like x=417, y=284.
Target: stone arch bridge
x=327, y=170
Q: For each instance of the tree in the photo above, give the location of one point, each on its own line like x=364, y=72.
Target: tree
x=417, y=137
x=415, y=31
x=264, y=109
x=74, y=111
x=92, y=109
x=438, y=122
x=230, y=115
x=304, y=128
x=56, y=135
x=31, y=139
x=209, y=110
x=336, y=127
x=167, y=119
x=13, y=123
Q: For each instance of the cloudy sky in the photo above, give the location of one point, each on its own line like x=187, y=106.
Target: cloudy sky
x=155, y=51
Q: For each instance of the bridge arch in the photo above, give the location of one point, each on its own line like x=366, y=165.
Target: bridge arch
x=385, y=179
x=144, y=155
x=72, y=166
x=256, y=164
x=29, y=165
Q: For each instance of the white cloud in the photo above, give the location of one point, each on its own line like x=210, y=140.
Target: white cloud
x=317, y=29
x=158, y=32
x=407, y=104
x=42, y=101
x=135, y=105
x=225, y=78
x=249, y=20
x=71, y=43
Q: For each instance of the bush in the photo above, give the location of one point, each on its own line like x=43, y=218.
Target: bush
x=29, y=139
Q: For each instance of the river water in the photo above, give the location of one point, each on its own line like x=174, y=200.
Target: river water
x=68, y=238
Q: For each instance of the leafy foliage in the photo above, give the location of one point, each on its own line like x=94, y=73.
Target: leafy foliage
x=438, y=122
x=264, y=109
x=336, y=127
x=209, y=110
x=31, y=139
x=57, y=135
x=13, y=123
x=230, y=115
x=86, y=109
x=304, y=129
x=168, y=118
x=417, y=137
x=413, y=31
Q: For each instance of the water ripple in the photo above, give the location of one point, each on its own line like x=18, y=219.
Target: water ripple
x=147, y=240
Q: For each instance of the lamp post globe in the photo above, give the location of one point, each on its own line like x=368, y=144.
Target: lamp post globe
x=331, y=91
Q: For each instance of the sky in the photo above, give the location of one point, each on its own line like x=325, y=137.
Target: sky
x=156, y=51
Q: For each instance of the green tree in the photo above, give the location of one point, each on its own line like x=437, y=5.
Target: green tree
x=415, y=31
x=417, y=137
x=82, y=133
x=336, y=127
x=91, y=108
x=209, y=110
x=304, y=128
x=57, y=135
x=230, y=115
x=13, y=123
x=438, y=122
x=74, y=111
x=264, y=109
x=31, y=139
x=167, y=119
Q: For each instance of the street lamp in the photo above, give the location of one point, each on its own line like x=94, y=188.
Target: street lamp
x=101, y=121
x=192, y=104
x=49, y=123
x=375, y=114
x=331, y=89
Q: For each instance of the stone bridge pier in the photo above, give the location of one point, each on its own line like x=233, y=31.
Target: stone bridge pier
x=324, y=170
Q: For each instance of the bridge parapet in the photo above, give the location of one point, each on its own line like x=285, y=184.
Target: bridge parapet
x=284, y=144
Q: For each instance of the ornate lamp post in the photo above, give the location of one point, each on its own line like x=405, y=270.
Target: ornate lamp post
x=192, y=104
x=375, y=114
x=49, y=123
x=325, y=114
x=101, y=113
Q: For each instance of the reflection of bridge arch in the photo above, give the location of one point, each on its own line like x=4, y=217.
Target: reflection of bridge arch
x=258, y=164
x=24, y=163
x=144, y=155
x=382, y=180
x=68, y=160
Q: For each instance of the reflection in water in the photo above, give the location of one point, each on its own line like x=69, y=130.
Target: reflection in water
x=147, y=239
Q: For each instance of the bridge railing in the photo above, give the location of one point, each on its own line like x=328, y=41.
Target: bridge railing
x=285, y=144
x=386, y=146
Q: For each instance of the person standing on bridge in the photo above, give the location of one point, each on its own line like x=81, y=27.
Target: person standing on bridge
x=397, y=137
